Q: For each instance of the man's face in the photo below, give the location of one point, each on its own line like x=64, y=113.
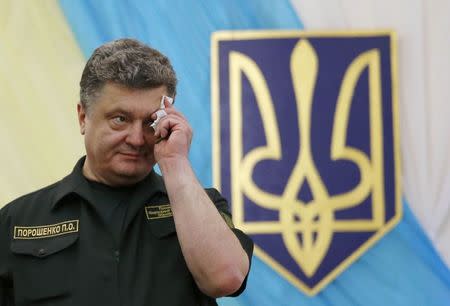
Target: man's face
x=118, y=138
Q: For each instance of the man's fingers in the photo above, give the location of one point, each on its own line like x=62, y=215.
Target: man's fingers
x=170, y=122
x=167, y=118
x=167, y=102
x=170, y=113
x=163, y=127
x=160, y=114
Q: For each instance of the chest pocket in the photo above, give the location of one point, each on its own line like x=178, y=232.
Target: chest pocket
x=44, y=269
x=163, y=227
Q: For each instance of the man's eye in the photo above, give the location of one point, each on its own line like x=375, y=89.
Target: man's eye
x=119, y=119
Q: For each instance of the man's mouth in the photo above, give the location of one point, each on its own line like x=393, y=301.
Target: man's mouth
x=131, y=155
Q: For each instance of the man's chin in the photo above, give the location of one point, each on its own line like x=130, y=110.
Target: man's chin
x=133, y=175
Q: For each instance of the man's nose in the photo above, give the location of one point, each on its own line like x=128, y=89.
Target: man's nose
x=136, y=135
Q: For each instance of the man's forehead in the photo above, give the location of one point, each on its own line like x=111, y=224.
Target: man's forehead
x=131, y=99
x=119, y=90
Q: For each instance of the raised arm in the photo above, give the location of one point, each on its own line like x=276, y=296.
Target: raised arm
x=212, y=251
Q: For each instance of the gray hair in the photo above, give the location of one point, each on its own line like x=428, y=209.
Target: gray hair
x=127, y=62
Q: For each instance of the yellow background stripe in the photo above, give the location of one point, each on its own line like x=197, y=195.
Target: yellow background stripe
x=40, y=67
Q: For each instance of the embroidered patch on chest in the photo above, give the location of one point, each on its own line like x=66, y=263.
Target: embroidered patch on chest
x=45, y=231
x=158, y=211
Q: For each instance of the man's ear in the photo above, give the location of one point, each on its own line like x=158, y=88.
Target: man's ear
x=81, y=110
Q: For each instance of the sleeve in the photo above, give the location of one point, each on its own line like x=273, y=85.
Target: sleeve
x=6, y=287
x=246, y=242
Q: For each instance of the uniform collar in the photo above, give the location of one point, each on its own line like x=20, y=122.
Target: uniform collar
x=76, y=184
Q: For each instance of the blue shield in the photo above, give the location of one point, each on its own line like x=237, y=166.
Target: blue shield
x=306, y=145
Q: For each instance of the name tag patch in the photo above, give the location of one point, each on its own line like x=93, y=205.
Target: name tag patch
x=45, y=231
x=158, y=211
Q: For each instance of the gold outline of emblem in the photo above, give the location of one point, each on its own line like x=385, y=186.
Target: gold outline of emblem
x=240, y=63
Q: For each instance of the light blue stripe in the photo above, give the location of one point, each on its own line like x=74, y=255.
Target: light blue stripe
x=402, y=269
x=181, y=30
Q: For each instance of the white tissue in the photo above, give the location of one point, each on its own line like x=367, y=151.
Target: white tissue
x=161, y=113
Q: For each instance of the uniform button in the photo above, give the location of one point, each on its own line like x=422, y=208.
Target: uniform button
x=41, y=252
x=117, y=255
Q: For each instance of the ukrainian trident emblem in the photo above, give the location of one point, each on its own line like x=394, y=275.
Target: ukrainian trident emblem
x=306, y=146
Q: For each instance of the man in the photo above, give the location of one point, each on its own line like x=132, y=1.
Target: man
x=113, y=232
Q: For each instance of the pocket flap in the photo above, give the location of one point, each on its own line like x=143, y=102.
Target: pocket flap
x=43, y=247
x=163, y=227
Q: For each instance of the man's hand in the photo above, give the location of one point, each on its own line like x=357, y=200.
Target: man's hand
x=174, y=135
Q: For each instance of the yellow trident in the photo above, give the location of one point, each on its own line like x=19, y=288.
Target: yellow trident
x=314, y=221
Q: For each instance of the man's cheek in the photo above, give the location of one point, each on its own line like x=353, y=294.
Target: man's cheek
x=111, y=142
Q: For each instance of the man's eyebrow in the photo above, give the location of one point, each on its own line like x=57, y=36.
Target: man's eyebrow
x=118, y=110
x=122, y=111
